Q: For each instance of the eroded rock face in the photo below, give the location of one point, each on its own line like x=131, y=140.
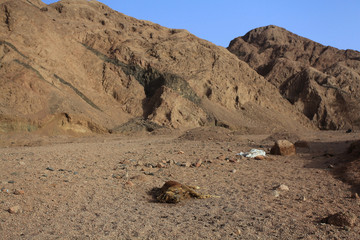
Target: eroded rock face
x=322, y=82
x=105, y=69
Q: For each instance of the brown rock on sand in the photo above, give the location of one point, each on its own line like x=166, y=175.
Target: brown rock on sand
x=341, y=219
x=284, y=148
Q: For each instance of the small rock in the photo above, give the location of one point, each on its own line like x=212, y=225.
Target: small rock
x=180, y=152
x=341, y=219
x=355, y=196
x=11, y=181
x=129, y=183
x=117, y=176
x=233, y=171
x=22, y=163
x=302, y=198
x=284, y=148
x=19, y=192
x=283, y=187
x=50, y=169
x=198, y=163
x=331, y=166
x=221, y=157
x=160, y=165
x=4, y=190
x=260, y=157
x=149, y=173
x=14, y=209
x=275, y=193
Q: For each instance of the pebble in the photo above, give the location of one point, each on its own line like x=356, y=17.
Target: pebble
x=275, y=193
x=160, y=165
x=14, y=209
x=19, y=192
x=355, y=195
x=283, y=187
x=129, y=183
x=11, y=181
x=22, y=163
x=117, y=176
x=233, y=171
x=50, y=169
x=198, y=163
x=260, y=157
x=4, y=190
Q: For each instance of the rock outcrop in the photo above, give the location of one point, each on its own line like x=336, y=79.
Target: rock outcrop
x=322, y=82
x=81, y=67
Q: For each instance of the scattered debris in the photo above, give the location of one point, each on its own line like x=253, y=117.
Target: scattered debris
x=284, y=148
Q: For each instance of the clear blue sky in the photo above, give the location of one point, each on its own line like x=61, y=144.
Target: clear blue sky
x=330, y=22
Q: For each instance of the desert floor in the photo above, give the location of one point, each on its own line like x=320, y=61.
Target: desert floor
x=102, y=187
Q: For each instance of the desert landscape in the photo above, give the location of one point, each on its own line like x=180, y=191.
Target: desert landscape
x=98, y=110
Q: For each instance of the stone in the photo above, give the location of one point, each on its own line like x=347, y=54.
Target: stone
x=283, y=187
x=341, y=219
x=283, y=148
x=129, y=183
x=14, y=209
x=19, y=192
x=160, y=165
x=355, y=196
x=260, y=157
x=275, y=193
x=198, y=163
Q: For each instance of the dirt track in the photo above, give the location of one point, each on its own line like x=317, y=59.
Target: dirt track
x=78, y=188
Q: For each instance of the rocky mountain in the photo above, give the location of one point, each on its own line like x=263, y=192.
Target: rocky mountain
x=77, y=66
x=322, y=82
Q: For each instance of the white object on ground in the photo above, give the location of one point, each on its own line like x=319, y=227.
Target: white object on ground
x=253, y=153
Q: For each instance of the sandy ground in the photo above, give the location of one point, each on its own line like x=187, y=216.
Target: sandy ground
x=101, y=187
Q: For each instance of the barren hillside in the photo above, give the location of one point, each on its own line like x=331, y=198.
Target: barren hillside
x=322, y=82
x=80, y=67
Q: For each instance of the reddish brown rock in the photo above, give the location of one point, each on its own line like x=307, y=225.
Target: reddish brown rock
x=19, y=192
x=260, y=157
x=198, y=163
x=14, y=209
x=284, y=148
x=341, y=219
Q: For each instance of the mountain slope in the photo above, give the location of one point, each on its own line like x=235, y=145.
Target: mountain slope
x=322, y=82
x=79, y=66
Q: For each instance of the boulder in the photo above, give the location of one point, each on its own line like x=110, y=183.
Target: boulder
x=284, y=148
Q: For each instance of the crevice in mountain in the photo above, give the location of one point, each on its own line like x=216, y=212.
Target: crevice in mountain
x=7, y=17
